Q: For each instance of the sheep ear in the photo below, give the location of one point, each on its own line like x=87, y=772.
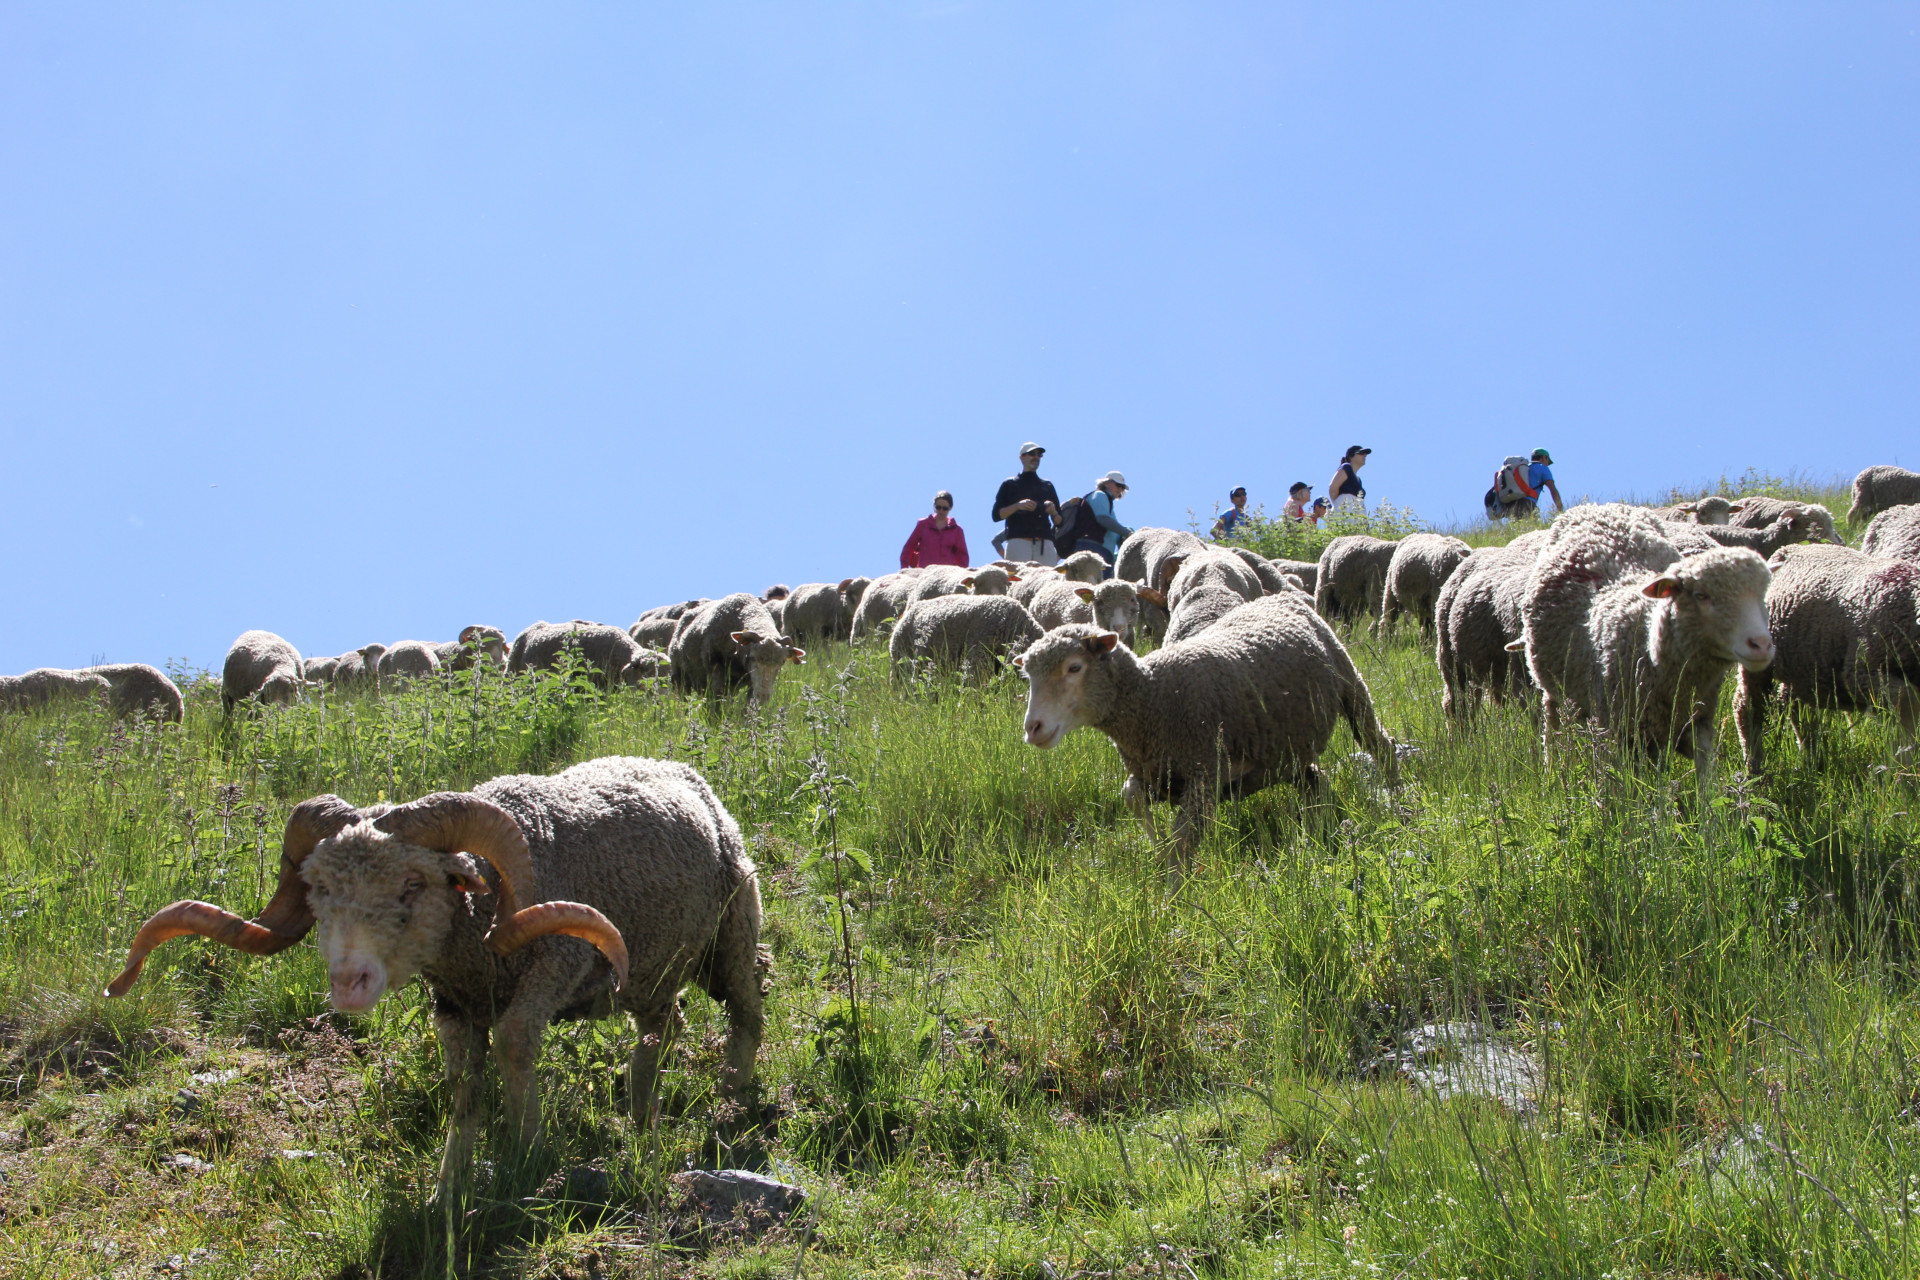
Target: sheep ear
x=1150, y=595
x=1517, y=646
x=967, y=583
x=1691, y=507
x=795, y=654
x=1085, y=593
x=1103, y=643
x=745, y=638
x=1020, y=661
x=1661, y=588
x=463, y=872
x=845, y=583
x=1171, y=566
x=1735, y=509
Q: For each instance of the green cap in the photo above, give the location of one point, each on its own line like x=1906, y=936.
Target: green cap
x=1541, y=455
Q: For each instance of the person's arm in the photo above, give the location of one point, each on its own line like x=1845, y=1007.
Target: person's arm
x=1103, y=512
x=1333, y=486
x=1053, y=500
x=910, y=554
x=961, y=534
x=1218, y=533
x=1004, y=503
x=1554, y=489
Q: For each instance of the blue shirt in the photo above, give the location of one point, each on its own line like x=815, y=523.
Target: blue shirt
x=1233, y=517
x=1539, y=475
x=1102, y=507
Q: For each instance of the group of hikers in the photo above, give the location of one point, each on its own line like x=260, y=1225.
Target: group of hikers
x=1038, y=527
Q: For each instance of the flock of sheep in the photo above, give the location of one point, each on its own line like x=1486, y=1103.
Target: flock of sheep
x=614, y=884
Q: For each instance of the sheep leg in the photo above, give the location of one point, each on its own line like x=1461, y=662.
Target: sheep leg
x=732, y=975
x=1134, y=793
x=549, y=985
x=1750, y=715
x=656, y=1026
x=464, y=1046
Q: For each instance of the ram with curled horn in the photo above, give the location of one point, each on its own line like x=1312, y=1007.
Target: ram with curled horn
x=516, y=903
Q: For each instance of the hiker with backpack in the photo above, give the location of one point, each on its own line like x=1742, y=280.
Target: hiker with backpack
x=1087, y=523
x=1515, y=494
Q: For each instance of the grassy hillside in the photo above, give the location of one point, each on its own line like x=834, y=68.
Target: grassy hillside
x=999, y=1042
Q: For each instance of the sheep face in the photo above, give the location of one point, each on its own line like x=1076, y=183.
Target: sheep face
x=990, y=581
x=281, y=687
x=1719, y=601
x=491, y=641
x=1116, y=607
x=763, y=657
x=1064, y=690
x=382, y=909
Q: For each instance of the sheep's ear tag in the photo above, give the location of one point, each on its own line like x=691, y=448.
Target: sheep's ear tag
x=1013, y=577
x=463, y=871
x=1661, y=588
x=1085, y=593
x=1517, y=646
x=1103, y=643
x=967, y=583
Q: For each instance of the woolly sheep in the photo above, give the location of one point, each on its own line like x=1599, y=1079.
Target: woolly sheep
x=1878, y=488
x=358, y=666
x=948, y=631
x=1113, y=605
x=1250, y=701
x=1760, y=512
x=1307, y=571
x=1794, y=522
x=1083, y=566
x=473, y=644
x=731, y=642
x=951, y=580
x=648, y=664
x=260, y=667
x=1210, y=567
x=1709, y=510
x=1143, y=554
x=606, y=649
x=1420, y=565
x=611, y=885
x=1846, y=634
x=885, y=597
x=821, y=612
x=409, y=660
x=1478, y=615
x=1351, y=577
x=1200, y=609
x=46, y=685
x=1894, y=532
x=1621, y=629
x=139, y=689
x=1272, y=580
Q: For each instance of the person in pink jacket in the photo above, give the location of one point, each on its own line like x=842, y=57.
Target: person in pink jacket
x=937, y=539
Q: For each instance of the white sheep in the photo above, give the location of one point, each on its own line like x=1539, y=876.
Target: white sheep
x=728, y=643
x=261, y=667
x=1420, y=565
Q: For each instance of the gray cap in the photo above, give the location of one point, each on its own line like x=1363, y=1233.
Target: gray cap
x=1113, y=477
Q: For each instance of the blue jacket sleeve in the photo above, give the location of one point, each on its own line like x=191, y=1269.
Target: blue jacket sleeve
x=1102, y=507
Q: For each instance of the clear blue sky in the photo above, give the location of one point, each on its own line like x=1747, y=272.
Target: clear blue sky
x=364, y=322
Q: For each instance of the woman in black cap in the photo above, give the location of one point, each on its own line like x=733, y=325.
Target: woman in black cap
x=1345, y=489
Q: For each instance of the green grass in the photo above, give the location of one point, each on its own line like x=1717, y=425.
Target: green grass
x=1049, y=1061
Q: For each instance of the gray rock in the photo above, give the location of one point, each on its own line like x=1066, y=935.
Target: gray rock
x=1453, y=1059
x=725, y=1193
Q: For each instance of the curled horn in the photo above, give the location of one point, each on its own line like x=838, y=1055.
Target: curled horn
x=282, y=922
x=458, y=822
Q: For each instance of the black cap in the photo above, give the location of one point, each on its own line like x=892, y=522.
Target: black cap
x=1355, y=448
x=1298, y=485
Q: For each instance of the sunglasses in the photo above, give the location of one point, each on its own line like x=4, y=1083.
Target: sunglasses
x=938, y=507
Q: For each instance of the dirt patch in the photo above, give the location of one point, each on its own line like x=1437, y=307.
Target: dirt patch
x=82, y=1051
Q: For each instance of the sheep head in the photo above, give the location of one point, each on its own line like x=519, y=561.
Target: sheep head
x=384, y=887
x=488, y=640
x=764, y=656
x=1065, y=685
x=1718, y=600
x=990, y=581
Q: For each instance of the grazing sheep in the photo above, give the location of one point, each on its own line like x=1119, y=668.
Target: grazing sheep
x=819, y=613
x=1210, y=567
x=1759, y=512
x=948, y=631
x=1082, y=566
x=611, y=885
x=1846, y=634
x=1621, y=629
x=474, y=643
x=320, y=670
x=727, y=643
x=648, y=664
x=1894, y=532
x=951, y=580
x=1199, y=609
x=1272, y=580
x=1113, y=605
x=1878, y=488
x=885, y=597
x=1351, y=577
x=1420, y=565
x=1478, y=616
x=1307, y=571
x=359, y=666
x=606, y=649
x=409, y=660
x=260, y=667
x=1143, y=553
x=1709, y=510
x=47, y=685
x=1248, y=702
x=654, y=630
x=1795, y=522
x=139, y=689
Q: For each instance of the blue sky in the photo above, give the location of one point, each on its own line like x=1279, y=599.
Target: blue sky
x=366, y=322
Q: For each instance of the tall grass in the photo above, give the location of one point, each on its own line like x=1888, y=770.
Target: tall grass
x=1001, y=1041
